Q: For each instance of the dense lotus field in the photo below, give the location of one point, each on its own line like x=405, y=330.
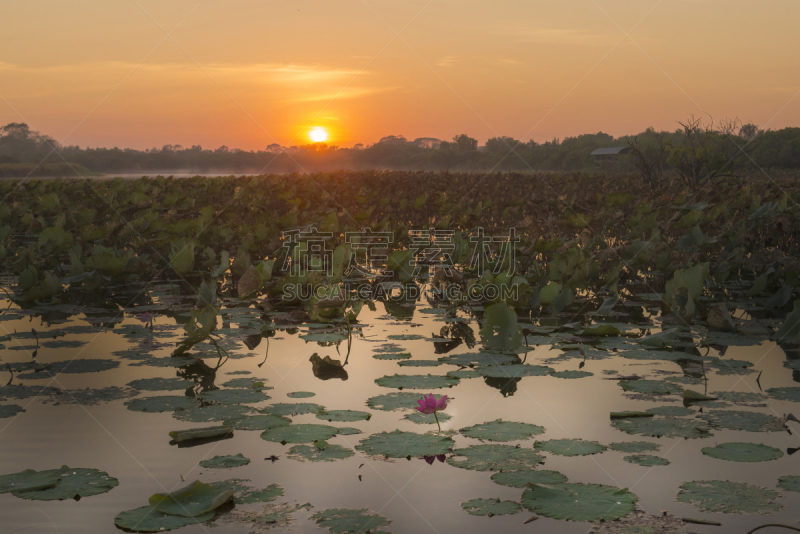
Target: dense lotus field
x=252, y=353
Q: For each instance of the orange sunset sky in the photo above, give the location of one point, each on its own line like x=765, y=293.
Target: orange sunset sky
x=248, y=73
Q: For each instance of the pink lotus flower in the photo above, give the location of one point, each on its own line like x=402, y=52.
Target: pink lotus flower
x=428, y=404
x=146, y=317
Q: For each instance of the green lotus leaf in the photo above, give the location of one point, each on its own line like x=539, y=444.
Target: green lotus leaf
x=19, y=392
x=571, y=374
x=399, y=444
x=299, y=433
x=789, y=482
x=344, y=416
x=634, y=446
x=10, y=410
x=392, y=355
x=521, y=479
x=348, y=431
x=394, y=401
x=742, y=420
x=406, y=337
x=426, y=382
x=420, y=418
x=324, y=337
x=74, y=483
x=786, y=393
x=181, y=436
x=260, y=422
x=191, y=501
x=29, y=480
x=214, y=412
x=650, y=387
x=514, y=370
x=677, y=411
x=670, y=427
x=570, y=447
x=579, y=502
x=600, y=330
x=479, y=359
x=245, y=493
x=82, y=366
x=464, y=374
x=646, y=460
x=163, y=403
x=345, y=521
x=234, y=396
x=160, y=384
x=419, y=363
x=725, y=497
x=500, y=330
x=740, y=397
x=300, y=394
x=148, y=519
x=629, y=414
x=221, y=462
x=246, y=382
x=495, y=457
x=491, y=507
x=315, y=454
x=291, y=409
x=500, y=430
x=743, y=452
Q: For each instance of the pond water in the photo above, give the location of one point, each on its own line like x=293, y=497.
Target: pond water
x=85, y=422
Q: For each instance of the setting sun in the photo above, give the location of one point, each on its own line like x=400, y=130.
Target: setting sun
x=318, y=134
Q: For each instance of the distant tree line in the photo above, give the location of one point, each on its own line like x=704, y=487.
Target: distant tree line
x=695, y=152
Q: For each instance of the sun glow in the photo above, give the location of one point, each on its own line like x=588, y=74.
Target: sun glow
x=318, y=134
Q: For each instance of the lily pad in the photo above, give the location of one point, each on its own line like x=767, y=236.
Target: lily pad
x=222, y=462
x=515, y=370
x=500, y=430
x=214, y=412
x=148, y=519
x=786, y=394
x=646, y=460
x=74, y=483
x=344, y=521
x=260, y=422
x=419, y=363
x=725, y=497
x=743, y=452
x=344, y=416
x=678, y=411
x=315, y=454
x=163, y=403
x=426, y=418
x=399, y=444
x=244, y=493
x=789, y=482
x=300, y=394
x=10, y=410
x=191, y=501
x=495, y=457
x=160, y=384
x=570, y=447
x=299, y=433
x=291, y=409
x=670, y=427
x=394, y=401
x=348, y=431
x=521, y=479
x=247, y=382
x=650, y=387
x=634, y=446
x=572, y=374
x=29, y=480
x=181, y=436
x=491, y=507
x=83, y=366
x=324, y=337
x=234, y=396
x=416, y=381
x=742, y=420
x=392, y=355
x=579, y=502
x=479, y=359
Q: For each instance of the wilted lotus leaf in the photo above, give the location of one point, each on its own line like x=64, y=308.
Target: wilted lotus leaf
x=299, y=433
x=670, y=427
x=490, y=507
x=221, y=462
x=514, y=370
x=741, y=420
x=315, y=454
x=214, y=412
x=634, y=446
x=725, y=497
x=743, y=452
x=394, y=401
x=344, y=521
x=344, y=416
x=191, y=501
x=521, y=479
x=495, y=457
x=164, y=403
x=500, y=430
x=148, y=519
x=417, y=381
x=579, y=502
x=29, y=480
x=292, y=409
x=398, y=444
x=74, y=483
x=646, y=460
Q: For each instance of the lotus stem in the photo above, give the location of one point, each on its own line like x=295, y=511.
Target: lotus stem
x=437, y=421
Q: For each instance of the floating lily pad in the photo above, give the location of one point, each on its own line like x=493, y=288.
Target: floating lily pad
x=180, y=436
x=160, y=384
x=315, y=454
x=214, y=412
x=495, y=457
x=299, y=433
x=479, y=359
x=742, y=420
x=74, y=483
x=344, y=521
x=394, y=401
x=417, y=381
x=669, y=427
x=515, y=370
x=272, y=516
x=725, y=497
x=491, y=507
x=292, y=409
x=570, y=447
x=646, y=460
x=789, y=482
x=634, y=446
x=344, y=416
x=191, y=501
x=398, y=444
x=571, y=374
x=221, y=462
x=260, y=422
x=348, y=431
x=392, y=355
x=579, y=502
x=234, y=396
x=164, y=403
x=83, y=366
x=650, y=387
x=148, y=519
x=419, y=363
x=677, y=411
x=324, y=337
x=426, y=418
x=406, y=337
x=786, y=394
x=247, y=382
x=29, y=480
x=500, y=430
x=521, y=479
x=743, y=452
x=300, y=394
x=19, y=392
x=740, y=397
x=245, y=493
x=10, y=410
x=463, y=374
